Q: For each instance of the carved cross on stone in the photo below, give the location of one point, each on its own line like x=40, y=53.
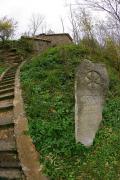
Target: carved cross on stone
x=91, y=86
x=92, y=79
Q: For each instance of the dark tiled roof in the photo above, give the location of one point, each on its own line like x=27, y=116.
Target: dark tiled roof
x=36, y=38
x=59, y=34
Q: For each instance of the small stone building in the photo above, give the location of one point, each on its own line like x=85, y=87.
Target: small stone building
x=57, y=39
x=42, y=42
x=39, y=45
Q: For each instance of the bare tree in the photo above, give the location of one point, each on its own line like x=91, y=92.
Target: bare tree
x=113, y=27
x=75, y=26
x=111, y=7
x=35, y=23
x=62, y=23
x=81, y=22
x=107, y=29
x=84, y=21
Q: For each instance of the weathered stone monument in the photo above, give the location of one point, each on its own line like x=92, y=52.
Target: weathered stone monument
x=91, y=86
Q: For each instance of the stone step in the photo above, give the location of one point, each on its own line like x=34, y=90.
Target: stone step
x=8, y=77
x=7, y=90
x=6, y=82
x=7, y=140
x=9, y=74
x=10, y=174
x=6, y=107
x=9, y=53
x=6, y=122
x=12, y=70
x=7, y=134
x=13, y=57
x=7, y=146
x=6, y=102
x=14, y=50
x=6, y=86
x=9, y=160
x=7, y=119
x=7, y=96
x=17, y=61
x=15, y=66
x=11, y=60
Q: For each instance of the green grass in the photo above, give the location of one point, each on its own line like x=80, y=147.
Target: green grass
x=48, y=90
x=2, y=67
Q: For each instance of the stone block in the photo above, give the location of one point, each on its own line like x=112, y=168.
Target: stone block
x=91, y=86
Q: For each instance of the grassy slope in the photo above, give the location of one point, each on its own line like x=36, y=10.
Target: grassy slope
x=2, y=67
x=48, y=84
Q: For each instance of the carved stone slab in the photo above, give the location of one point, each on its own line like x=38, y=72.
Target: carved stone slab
x=91, y=86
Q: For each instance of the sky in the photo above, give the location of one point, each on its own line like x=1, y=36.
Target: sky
x=53, y=10
x=22, y=10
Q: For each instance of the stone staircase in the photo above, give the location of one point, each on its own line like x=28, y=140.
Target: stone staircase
x=10, y=56
x=10, y=167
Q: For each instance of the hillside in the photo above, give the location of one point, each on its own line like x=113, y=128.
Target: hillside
x=48, y=91
x=2, y=68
